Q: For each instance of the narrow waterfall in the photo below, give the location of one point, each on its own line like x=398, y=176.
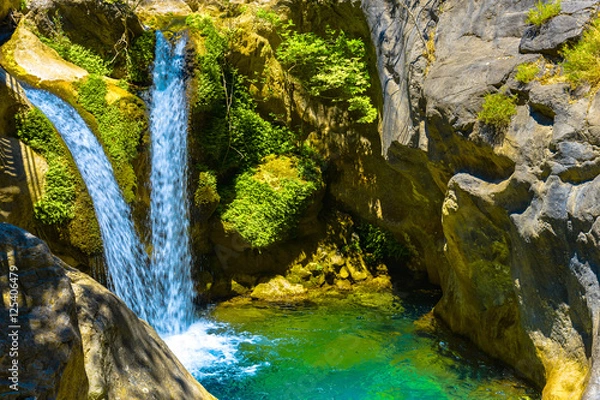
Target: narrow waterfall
x=171, y=259
x=125, y=258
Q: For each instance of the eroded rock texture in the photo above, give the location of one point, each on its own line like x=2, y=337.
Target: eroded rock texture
x=76, y=339
x=520, y=209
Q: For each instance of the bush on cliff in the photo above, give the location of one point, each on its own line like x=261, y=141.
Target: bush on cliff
x=582, y=58
x=332, y=68
x=269, y=201
x=543, y=12
x=527, y=72
x=497, y=110
x=76, y=54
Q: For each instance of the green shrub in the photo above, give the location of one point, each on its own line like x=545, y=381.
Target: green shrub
x=120, y=127
x=582, y=59
x=378, y=245
x=268, y=18
x=57, y=204
x=527, y=72
x=269, y=201
x=543, y=12
x=332, y=68
x=140, y=59
x=497, y=110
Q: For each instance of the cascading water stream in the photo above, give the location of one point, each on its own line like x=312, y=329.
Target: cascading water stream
x=159, y=290
x=125, y=258
x=171, y=259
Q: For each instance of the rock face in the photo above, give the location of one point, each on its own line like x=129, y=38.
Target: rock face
x=45, y=345
x=519, y=215
x=104, y=26
x=76, y=339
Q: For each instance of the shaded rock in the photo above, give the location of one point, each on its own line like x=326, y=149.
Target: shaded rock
x=8, y=5
x=74, y=331
x=13, y=101
x=48, y=350
x=549, y=99
x=22, y=173
x=124, y=357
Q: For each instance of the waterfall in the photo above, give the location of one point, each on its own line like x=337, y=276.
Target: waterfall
x=171, y=260
x=125, y=258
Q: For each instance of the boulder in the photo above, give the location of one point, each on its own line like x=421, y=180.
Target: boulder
x=279, y=289
x=26, y=58
x=39, y=328
x=124, y=356
x=77, y=340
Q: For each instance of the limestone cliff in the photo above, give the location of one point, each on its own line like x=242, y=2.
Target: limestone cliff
x=519, y=215
x=74, y=339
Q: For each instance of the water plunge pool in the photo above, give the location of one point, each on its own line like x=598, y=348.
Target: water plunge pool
x=339, y=351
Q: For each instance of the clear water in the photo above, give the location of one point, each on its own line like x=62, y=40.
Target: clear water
x=125, y=259
x=173, y=291
x=339, y=352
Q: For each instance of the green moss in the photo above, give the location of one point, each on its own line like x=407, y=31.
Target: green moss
x=582, y=58
x=543, y=12
x=269, y=201
x=527, y=72
x=497, y=110
x=332, y=68
x=57, y=204
x=120, y=127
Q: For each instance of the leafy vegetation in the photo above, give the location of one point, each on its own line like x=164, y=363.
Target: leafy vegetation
x=120, y=127
x=236, y=136
x=543, y=12
x=497, y=110
x=332, y=68
x=206, y=196
x=582, y=58
x=527, y=72
x=140, y=58
x=57, y=204
x=76, y=54
x=269, y=201
x=377, y=245
x=263, y=173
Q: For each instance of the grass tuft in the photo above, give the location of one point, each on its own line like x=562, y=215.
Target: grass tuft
x=543, y=12
x=497, y=110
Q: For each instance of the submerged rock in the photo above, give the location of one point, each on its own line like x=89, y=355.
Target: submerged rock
x=76, y=339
